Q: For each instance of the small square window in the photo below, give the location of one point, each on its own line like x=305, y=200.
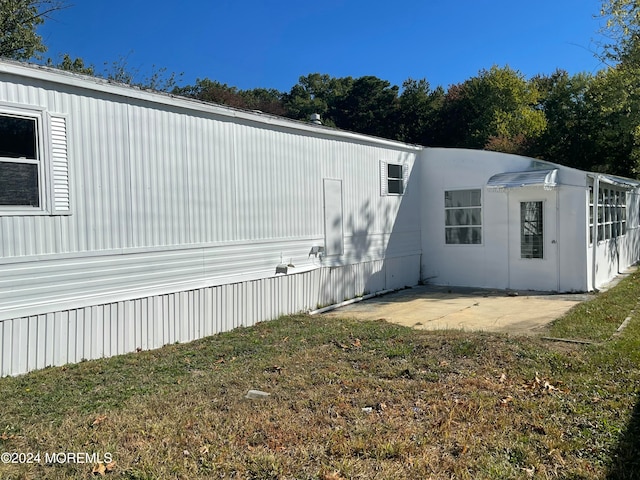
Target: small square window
x=395, y=180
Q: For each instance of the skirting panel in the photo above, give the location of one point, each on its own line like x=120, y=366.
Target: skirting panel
x=73, y=335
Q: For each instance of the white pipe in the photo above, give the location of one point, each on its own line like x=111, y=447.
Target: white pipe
x=594, y=230
x=349, y=302
x=558, y=223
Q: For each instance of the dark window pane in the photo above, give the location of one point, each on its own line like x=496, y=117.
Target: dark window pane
x=18, y=137
x=394, y=171
x=19, y=184
x=395, y=186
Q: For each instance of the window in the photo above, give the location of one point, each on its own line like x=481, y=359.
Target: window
x=33, y=162
x=463, y=217
x=531, y=230
x=20, y=163
x=393, y=178
x=611, y=213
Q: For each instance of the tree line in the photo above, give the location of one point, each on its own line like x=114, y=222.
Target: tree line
x=586, y=121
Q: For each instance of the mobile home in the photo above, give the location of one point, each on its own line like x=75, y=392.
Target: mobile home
x=131, y=219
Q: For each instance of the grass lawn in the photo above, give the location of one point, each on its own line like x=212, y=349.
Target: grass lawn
x=349, y=399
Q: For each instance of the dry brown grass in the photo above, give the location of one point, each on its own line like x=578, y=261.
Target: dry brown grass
x=349, y=400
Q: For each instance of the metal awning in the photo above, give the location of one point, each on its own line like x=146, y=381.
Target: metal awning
x=547, y=179
x=619, y=181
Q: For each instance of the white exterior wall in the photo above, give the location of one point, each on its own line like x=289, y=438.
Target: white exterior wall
x=173, y=201
x=495, y=263
x=616, y=255
x=180, y=212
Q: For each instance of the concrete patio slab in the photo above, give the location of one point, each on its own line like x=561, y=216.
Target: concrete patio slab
x=432, y=307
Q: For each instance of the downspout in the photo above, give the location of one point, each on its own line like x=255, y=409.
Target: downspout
x=557, y=239
x=594, y=230
x=509, y=231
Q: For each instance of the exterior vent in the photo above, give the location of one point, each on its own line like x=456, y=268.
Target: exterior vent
x=315, y=118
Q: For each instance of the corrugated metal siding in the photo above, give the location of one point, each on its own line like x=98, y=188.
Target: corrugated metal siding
x=56, y=338
x=145, y=176
x=167, y=199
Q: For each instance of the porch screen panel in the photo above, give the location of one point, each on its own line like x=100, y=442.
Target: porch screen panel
x=531, y=230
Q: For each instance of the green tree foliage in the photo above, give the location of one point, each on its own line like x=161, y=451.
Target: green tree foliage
x=316, y=93
x=616, y=91
x=418, y=111
x=206, y=90
x=370, y=106
x=69, y=64
x=497, y=110
x=569, y=136
x=19, y=20
x=622, y=27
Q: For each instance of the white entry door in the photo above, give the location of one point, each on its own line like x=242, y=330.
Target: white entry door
x=533, y=246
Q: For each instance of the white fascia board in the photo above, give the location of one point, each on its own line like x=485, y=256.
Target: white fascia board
x=76, y=80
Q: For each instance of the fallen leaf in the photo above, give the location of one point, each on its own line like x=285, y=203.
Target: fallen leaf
x=99, y=420
x=109, y=467
x=505, y=401
x=204, y=449
x=503, y=378
x=99, y=469
x=221, y=360
x=332, y=476
x=357, y=343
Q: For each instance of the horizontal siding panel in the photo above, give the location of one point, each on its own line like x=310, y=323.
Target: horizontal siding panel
x=32, y=285
x=103, y=330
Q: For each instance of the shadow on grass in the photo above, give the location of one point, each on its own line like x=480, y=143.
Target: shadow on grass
x=625, y=463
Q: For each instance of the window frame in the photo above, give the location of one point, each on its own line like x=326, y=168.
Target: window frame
x=541, y=235
x=386, y=179
x=611, y=213
x=41, y=160
x=395, y=180
x=478, y=207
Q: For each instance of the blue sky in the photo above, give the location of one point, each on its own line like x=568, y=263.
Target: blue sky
x=271, y=43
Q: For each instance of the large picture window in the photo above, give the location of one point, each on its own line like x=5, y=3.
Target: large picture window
x=463, y=217
x=20, y=161
x=531, y=230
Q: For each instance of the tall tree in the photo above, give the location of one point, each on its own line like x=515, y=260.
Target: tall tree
x=418, y=108
x=496, y=110
x=616, y=95
x=569, y=137
x=622, y=27
x=19, y=20
x=370, y=106
x=316, y=93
